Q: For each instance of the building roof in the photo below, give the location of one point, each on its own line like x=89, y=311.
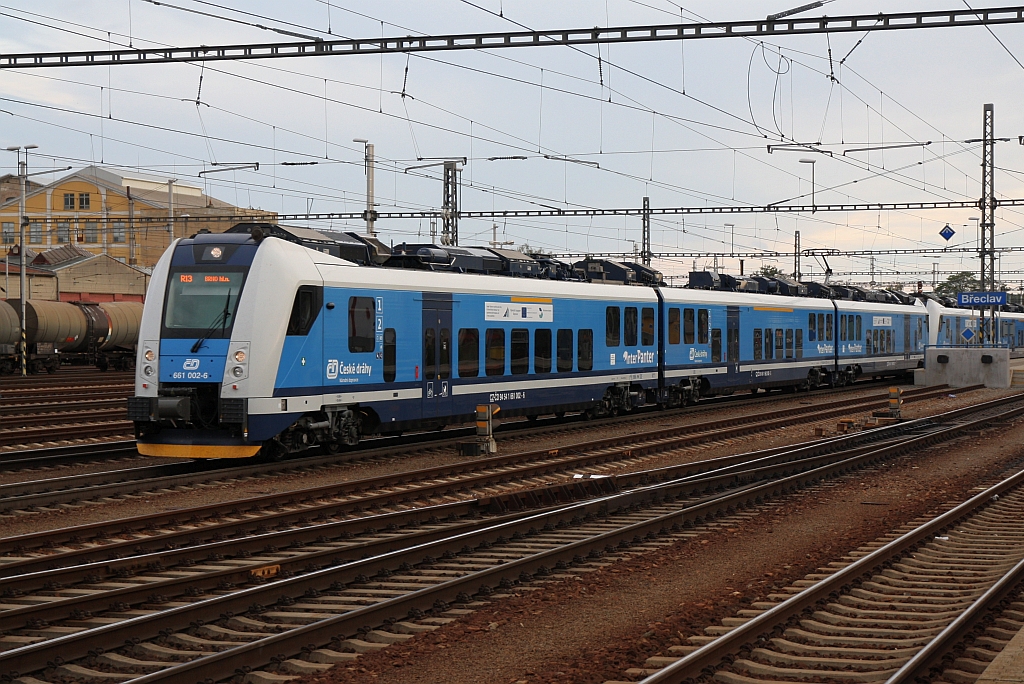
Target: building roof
x=61, y=255
x=145, y=188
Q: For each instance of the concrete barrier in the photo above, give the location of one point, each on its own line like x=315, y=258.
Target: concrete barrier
x=960, y=367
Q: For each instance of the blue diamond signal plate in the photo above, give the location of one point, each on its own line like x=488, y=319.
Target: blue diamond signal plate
x=967, y=334
x=947, y=233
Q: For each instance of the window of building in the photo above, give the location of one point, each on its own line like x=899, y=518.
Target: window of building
x=789, y=343
x=565, y=350
x=305, y=309
x=716, y=345
x=361, y=312
x=673, y=326
x=542, y=350
x=69, y=201
x=117, y=232
x=799, y=343
x=811, y=327
x=780, y=337
x=469, y=353
x=8, y=232
x=390, y=355
x=92, y=232
x=83, y=200
x=769, y=345
x=612, y=320
x=585, y=350
x=444, y=353
x=64, y=232
x=828, y=327
x=35, y=233
x=842, y=328
x=688, y=326
x=630, y=326
x=494, y=351
x=757, y=344
x=520, y=351
x=647, y=327
x=703, y=321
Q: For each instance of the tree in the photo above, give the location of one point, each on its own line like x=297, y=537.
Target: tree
x=964, y=281
x=769, y=271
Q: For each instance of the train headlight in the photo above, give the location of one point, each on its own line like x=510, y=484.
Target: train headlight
x=148, y=371
x=240, y=355
x=150, y=355
x=238, y=371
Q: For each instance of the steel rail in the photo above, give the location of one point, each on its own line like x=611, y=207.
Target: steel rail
x=224, y=664
x=713, y=653
x=758, y=28
x=545, y=461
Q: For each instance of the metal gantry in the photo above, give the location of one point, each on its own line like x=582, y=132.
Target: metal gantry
x=988, y=212
x=757, y=28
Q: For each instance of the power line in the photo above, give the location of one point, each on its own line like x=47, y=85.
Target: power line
x=508, y=39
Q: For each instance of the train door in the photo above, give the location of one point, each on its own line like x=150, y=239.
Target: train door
x=437, y=355
x=732, y=324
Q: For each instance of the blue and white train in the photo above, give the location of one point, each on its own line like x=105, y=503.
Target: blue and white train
x=253, y=342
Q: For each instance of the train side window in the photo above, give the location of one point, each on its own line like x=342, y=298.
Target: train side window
x=361, y=312
x=716, y=345
x=585, y=350
x=469, y=353
x=799, y=343
x=768, y=344
x=789, y=343
x=859, y=335
x=779, y=342
x=565, y=350
x=612, y=320
x=842, y=328
x=630, y=326
x=494, y=351
x=702, y=325
x=305, y=309
x=733, y=347
x=429, y=354
x=390, y=355
x=647, y=327
x=673, y=326
x=828, y=327
x=444, y=349
x=757, y=344
x=821, y=328
x=850, y=329
x=542, y=350
x=688, y=326
x=890, y=347
x=520, y=351
x=811, y=327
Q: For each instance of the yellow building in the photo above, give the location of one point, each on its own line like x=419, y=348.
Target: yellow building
x=123, y=215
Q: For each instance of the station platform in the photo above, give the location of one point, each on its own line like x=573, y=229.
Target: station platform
x=1008, y=666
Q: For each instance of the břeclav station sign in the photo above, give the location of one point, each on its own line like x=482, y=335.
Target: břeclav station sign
x=981, y=298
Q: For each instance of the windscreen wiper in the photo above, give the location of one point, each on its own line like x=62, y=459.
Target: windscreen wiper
x=221, y=320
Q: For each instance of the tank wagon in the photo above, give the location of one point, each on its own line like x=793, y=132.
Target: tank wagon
x=251, y=341
x=81, y=333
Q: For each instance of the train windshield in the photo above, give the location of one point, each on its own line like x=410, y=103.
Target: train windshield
x=201, y=302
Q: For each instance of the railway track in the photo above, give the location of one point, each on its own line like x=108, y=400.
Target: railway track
x=154, y=479
x=895, y=611
x=282, y=600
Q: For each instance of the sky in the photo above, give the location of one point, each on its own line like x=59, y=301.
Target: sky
x=686, y=124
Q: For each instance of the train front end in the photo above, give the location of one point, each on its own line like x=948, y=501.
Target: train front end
x=187, y=360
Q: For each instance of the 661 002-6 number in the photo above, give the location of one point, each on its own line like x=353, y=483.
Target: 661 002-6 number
x=196, y=375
